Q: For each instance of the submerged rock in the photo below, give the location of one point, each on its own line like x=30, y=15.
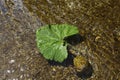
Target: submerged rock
x=80, y=62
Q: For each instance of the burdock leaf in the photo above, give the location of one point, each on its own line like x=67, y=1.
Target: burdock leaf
x=50, y=40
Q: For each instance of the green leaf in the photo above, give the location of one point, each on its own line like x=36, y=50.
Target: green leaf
x=50, y=40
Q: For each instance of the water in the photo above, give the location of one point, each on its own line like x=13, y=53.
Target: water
x=97, y=20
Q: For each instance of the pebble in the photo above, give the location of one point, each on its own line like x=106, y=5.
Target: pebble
x=11, y=61
x=8, y=71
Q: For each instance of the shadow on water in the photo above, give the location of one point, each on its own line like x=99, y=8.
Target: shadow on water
x=73, y=40
x=84, y=74
x=65, y=63
x=87, y=71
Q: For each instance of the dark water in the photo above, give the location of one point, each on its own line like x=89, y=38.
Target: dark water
x=98, y=21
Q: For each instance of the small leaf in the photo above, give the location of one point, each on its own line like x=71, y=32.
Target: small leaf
x=50, y=40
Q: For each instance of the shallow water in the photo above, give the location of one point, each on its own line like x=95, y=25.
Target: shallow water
x=98, y=21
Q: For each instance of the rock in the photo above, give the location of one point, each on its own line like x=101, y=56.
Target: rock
x=80, y=63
